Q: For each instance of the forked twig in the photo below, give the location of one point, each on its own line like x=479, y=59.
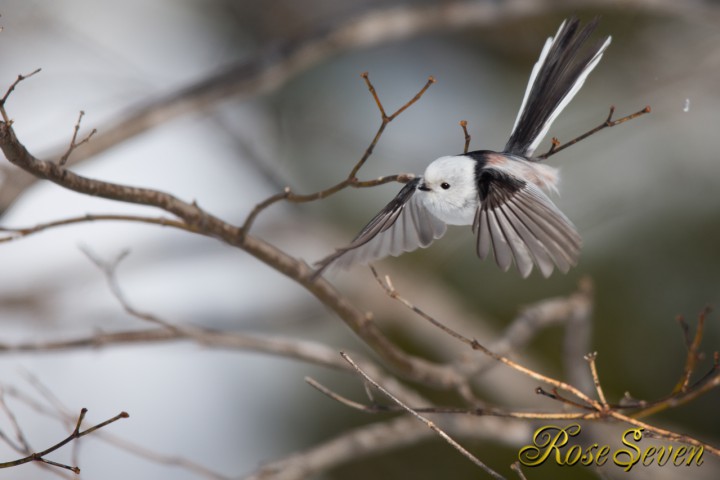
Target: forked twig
x=76, y=433
x=10, y=89
x=609, y=122
x=73, y=141
x=350, y=181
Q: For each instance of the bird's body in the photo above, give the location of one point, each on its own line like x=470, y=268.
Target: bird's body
x=501, y=194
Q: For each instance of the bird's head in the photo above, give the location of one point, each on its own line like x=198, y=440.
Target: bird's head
x=450, y=177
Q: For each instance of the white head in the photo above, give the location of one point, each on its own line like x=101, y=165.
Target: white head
x=449, y=189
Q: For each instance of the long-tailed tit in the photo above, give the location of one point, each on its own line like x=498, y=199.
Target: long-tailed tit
x=501, y=194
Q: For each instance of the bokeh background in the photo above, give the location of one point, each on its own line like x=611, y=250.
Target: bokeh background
x=644, y=196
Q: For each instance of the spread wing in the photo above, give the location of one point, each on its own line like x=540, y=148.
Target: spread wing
x=557, y=76
x=402, y=226
x=519, y=223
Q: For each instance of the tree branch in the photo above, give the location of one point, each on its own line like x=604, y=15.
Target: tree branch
x=76, y=433
x=203, y=222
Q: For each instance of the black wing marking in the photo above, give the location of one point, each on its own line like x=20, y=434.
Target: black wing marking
x=402, y=225
x=517, y=221
x=556, y=77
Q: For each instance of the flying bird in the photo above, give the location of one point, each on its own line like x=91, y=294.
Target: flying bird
x=501, y=194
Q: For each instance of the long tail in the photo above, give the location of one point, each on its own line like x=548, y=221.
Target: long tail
x=555, y=79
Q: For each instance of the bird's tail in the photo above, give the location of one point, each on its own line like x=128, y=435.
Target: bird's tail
x=555, y=79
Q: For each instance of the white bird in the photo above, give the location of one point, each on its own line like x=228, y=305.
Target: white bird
x=501, y=194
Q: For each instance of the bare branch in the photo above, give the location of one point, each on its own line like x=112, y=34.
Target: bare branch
x=609, y=122
x=73, y=142
x=59, y=411
x=348, y=446
x=350, y=180
x=599, y=409
x=76, y=433
x=463, y=124
x=516, y=468
x=22, y=445
x=590, y=358
x=20, y=232
x=693, y=353
x=10, y=89
x=475, y=345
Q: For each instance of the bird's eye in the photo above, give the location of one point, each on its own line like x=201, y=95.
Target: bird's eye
x=444, y=185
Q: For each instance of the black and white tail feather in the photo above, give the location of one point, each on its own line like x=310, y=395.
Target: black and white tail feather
x=498, y=193
x=557, y=76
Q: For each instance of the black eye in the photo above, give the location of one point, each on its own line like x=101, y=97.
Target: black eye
x=444, y=185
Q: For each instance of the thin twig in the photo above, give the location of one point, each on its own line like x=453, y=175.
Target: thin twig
x=601, y=408
x=666, y=434
x=590, y=358
x=10, y=89
x=20, y=232
x=23, y=446
x=555, y=394
x=475, y=345
x=693, y=353
x=59, y=411
x=464, y=124
x=479, y=412
x=351, y=180
x=609, y=122
x=426, y=421
x=76, y=433
x=109, y=268
x=73, y=141
x=515, y=467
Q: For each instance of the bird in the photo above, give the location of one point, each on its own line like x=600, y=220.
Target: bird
x=502, y=195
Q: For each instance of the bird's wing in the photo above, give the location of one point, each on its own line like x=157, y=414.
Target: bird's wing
x=557, y=76
x=517, y=221
x=402, y=226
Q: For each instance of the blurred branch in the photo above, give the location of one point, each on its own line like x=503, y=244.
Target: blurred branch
x=19, y=232
x=349, y=446
x=380, y=437
x=693, y=347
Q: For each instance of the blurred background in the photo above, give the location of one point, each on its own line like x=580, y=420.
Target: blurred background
x=644, y=196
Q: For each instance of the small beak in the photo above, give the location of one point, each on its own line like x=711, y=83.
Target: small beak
x=423, y=187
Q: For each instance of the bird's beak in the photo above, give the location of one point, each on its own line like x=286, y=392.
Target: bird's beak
x=423, y=187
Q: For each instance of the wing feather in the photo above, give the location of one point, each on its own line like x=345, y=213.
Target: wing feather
x=401, y=226
x=522, y=225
